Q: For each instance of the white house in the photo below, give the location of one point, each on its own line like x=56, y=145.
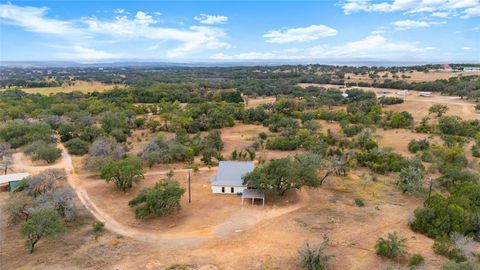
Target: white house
x=229, y=177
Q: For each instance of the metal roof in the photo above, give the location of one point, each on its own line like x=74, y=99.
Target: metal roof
x=230, y=173
x=12, y=177
x=252, y=194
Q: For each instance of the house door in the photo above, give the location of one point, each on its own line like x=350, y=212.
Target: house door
x=232, y=190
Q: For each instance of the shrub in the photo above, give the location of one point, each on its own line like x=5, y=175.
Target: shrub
x=416, y=260
x=77, y=146
x=315, y=258
x=418, y=145
x=382, y=160
x=282, y=143
x=398, y=120
x=390, y=100
x=451, y=265
x=476, y=150
x=393, y=247
x=160, y=200
x=359, y=202
x=411, y=180
x=352, y=130
x=40, y=150
x=443, y=246
x=97, y=228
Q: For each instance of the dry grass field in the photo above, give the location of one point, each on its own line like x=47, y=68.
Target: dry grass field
x=410, y=76
x=81, y=86
x=417, y=105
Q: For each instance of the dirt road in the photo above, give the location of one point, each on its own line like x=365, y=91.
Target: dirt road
x=243, y=219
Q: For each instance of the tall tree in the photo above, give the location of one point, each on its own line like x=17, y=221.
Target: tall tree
x=123, y=172
x=44, y=223
x=281, y=175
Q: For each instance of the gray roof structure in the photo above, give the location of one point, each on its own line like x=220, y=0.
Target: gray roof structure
x=6, y=178
x=230, y=173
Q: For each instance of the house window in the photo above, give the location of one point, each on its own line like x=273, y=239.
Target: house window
x=223, y=189
x=232, y=190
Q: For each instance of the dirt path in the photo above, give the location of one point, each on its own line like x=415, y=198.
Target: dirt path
x=243, y=218
x=112, y=224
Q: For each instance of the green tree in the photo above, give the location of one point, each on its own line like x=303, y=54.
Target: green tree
x=77, y=146
x=123, y=172
x=44, y=223
x=281, y=175
x=153, y=125
x=160, y=200
x=40, y=150
x=439, y=109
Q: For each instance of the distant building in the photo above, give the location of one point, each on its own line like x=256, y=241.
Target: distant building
x=471, y=69
x=402, y=93
x=229, y=177
x=447, y=67
x=12, y=180
x=425, y=94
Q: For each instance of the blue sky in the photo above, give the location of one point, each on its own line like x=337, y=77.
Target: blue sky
x=346, y=30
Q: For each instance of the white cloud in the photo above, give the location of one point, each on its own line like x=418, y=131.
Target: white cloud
x=83, y=53
x=471, y=12
x=467, y=48
x=192, y=39
x=437, y=8
x=211, y=19
x=373, y=46
x=33, y=19
x=301, y=34
x=143, y=18
x=122, y=28
x=440, y=14
x=411, y=24
x=244, y=56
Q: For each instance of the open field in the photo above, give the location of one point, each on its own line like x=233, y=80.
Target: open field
x=81, y=86
x=254, y=102
x=417, y=105
x=410, y=76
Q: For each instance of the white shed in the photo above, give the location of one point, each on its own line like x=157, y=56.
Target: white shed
x=229, y=177
x=12, y=180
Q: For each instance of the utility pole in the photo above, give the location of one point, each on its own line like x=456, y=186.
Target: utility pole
x=189, y=193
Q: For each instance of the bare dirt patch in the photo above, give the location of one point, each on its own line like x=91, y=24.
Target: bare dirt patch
x=81, y=86
x=254, y=102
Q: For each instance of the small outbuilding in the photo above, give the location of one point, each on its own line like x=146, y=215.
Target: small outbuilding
x=12, y=180
x=382, y=92
x=253, y=194
x=229, y=177
x=403, y=93
x=425, y=94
